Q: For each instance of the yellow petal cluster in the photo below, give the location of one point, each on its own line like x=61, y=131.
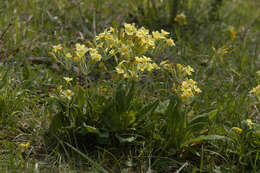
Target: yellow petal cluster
x=185, y=70
x=23, y=147
x=95, y=56
x=181, y=19
x=237, y=129
x=67, y=94
x=67, y=79
x=256, y=91
x=189, y=89
x=57, y=48
x=232, y=33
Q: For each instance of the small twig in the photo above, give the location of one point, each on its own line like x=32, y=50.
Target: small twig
x=182, y=167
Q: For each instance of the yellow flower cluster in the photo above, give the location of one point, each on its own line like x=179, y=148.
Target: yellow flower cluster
x=57, y=48
x=136, y=68
x=181, y=19
x=220, y=52
x=184, y=71
x=165, y=65
x=256, y=91
x=95, y=56
x=67, y=79
x=23, y=147
x=237, y=129
x=189, y=89
x=249, y=123
x=80, y=51
x=67, y=94
x=132, y=41
x=129, y=46
x=232, y=33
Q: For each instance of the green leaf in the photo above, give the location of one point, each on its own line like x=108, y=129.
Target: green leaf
x=4, y=80
x=149, y=108
x=91, y=129
x=124, y=140
x=203, y=138
x=26, y=71
x=212, y=114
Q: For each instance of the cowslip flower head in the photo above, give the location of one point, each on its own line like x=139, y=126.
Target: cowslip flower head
x=24, y=146
x=57, y=48
x=67, y=94
x=237, y=129
x=67, y=79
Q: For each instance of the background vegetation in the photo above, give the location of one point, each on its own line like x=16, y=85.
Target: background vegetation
x=124, y=126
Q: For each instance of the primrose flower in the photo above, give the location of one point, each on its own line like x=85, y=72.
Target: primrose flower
x=59, y=87
x=185, y=71
x=142, y=32
x=146, y=59
x=119, y=70
x=68, y=55
x=164, y=33
x=80, y=50
x=170, y=42
x=130, y=29
x=67, y=94
x=232, y=33
x=24, y=146
x=237, y=129
x=189, y=89
x=57, y=48
x=94, y=54
x=157, y=35
x=249, y=123
x=256, y=91
x=181, y=19
x=164, y=62
x=67, y=79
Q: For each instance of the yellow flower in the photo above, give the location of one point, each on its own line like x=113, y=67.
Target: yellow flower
x=249, y=123
x=138, y=60
x=164, y=62
x=149, y=67
x=57, y=48
x=255, y=91
x=124, y=50
x=157, y=35
x=24, y=146
x=130, y=29
x=181, y=19
x=111, y=29
x=164, y=33
x=237, y=129
x=146, y=59
x=59, y=87
x=126, y=76
x=67, y=94
x=196, y=90
x=77, y=58
x=95, y=56
x=232, y=33
x=170, y=42
x=67, y=79
x=68, y=55
x=81, y=50
x=119, y=70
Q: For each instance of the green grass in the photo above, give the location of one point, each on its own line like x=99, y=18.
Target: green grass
x=111, y=127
